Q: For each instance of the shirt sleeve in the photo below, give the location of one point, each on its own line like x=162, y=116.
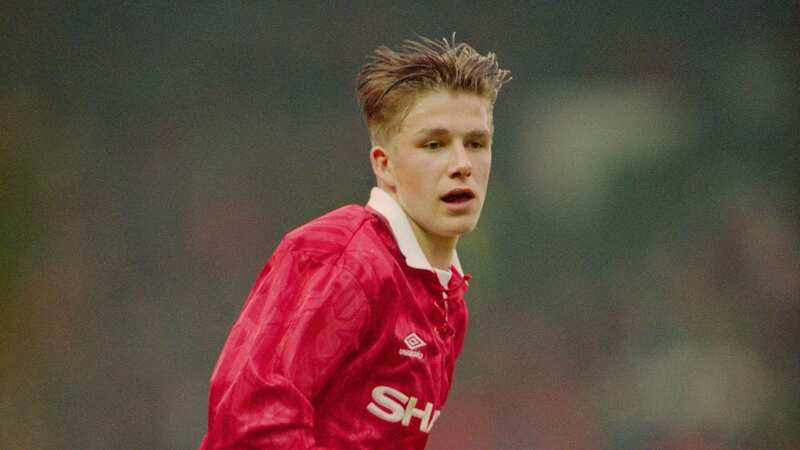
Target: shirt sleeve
x=298, y=324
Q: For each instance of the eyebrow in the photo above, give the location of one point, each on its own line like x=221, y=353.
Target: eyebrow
x=440, y=131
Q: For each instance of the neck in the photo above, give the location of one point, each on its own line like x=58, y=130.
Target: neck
x=439, y=250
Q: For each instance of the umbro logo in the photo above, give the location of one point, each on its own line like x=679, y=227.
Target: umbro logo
x=413, y=342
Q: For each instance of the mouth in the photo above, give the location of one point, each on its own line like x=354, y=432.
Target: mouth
x=458, y=196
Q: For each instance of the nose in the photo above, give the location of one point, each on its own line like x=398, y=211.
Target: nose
x=460, y=163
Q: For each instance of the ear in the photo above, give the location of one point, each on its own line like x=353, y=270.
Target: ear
x=382, y=167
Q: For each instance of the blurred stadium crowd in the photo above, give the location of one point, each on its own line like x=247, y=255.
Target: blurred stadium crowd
x=636, y=270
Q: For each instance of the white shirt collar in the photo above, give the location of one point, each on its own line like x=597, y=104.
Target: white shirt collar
x=388, y=207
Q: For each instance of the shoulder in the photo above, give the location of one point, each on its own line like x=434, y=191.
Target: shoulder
x=328, y=235
x=350, y=238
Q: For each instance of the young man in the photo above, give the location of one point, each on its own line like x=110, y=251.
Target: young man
x=349, y=337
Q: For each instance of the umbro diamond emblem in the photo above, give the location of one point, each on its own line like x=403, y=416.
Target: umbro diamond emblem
x=413, y=342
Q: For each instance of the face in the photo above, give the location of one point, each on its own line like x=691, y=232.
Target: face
x=437, y=164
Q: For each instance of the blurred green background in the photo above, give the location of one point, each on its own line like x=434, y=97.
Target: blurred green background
x=636, y=270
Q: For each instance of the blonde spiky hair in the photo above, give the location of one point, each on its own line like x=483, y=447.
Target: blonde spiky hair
x=391, y=81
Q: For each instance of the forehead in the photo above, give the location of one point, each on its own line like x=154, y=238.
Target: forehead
x=457, y=112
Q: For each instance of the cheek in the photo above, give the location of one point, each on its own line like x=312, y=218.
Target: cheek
x=410, y=179
x=482, y=166
x=412, y=183
x=420, y=173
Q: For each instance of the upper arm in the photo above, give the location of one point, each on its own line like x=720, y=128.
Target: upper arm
x=314, y=318
x=298, y=325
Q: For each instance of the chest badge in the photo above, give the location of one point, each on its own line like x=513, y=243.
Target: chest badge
x=413, y=344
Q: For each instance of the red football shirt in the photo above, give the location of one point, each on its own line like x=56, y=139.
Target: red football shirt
x=347, y=340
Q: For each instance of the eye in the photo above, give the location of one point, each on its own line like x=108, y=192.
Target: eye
x=476, y=145
x=432, y=145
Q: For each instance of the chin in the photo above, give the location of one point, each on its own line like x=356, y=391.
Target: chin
x=460, y=228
